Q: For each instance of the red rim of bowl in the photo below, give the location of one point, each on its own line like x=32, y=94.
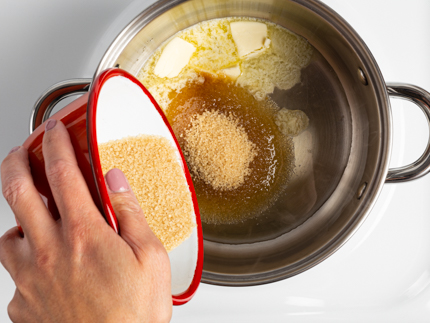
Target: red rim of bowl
x=101, y=185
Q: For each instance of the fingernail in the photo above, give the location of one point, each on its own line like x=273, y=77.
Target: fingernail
x=14, y=149
x=50, y=124
x=116, y=181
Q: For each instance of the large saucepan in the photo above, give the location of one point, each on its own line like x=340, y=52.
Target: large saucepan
x=341, y=160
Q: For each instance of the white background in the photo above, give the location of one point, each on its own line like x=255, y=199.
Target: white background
x=381, y=275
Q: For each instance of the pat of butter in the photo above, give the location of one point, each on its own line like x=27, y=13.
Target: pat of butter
x=232, y=72
x=174, y=58
x=249, y=36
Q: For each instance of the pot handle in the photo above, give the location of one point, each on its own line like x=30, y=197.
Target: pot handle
x=421, y=166
x=49, y=99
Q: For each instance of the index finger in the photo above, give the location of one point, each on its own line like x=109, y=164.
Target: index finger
x=68, y=186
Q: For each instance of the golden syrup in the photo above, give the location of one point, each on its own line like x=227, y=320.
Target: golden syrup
x=270, y=169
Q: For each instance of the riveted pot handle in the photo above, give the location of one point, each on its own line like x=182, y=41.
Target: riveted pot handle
x=421, y=166
x=47, y=101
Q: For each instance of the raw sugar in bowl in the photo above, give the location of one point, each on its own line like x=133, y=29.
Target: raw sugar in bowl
x=340, y=160
x=118, y=114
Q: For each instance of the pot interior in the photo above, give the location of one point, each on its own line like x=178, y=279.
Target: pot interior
x=340, y=160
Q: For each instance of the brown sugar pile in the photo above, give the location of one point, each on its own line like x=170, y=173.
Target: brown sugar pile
x=156, y=177
x=218, y=150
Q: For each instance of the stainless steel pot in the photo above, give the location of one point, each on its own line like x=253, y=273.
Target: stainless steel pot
x=341, y=161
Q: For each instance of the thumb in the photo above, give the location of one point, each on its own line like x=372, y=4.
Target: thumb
x=133, y=227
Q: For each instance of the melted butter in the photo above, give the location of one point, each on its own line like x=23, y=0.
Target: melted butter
x=270, y=169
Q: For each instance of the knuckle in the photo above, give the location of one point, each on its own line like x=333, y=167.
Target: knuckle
x=13, y=310
x=124, y=202
x=9, y=162
x=79, y=230
x=59, y=172
x=14, y=187
x=156, y=253
x=43, y=259
x=5, y=240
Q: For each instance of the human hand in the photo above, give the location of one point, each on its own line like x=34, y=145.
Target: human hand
x=77, y=269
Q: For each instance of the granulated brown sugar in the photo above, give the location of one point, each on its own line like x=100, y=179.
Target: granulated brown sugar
x=218, y=150
x=156, y=177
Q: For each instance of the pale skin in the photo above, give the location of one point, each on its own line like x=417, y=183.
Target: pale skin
x=77, y=269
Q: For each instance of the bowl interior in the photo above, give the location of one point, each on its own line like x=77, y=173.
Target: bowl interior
x=121, y=107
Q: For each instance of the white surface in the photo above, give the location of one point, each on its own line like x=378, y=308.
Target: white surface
x=381, y=275
x=124, y=110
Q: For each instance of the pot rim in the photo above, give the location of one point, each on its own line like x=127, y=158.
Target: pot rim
x=373, y=77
